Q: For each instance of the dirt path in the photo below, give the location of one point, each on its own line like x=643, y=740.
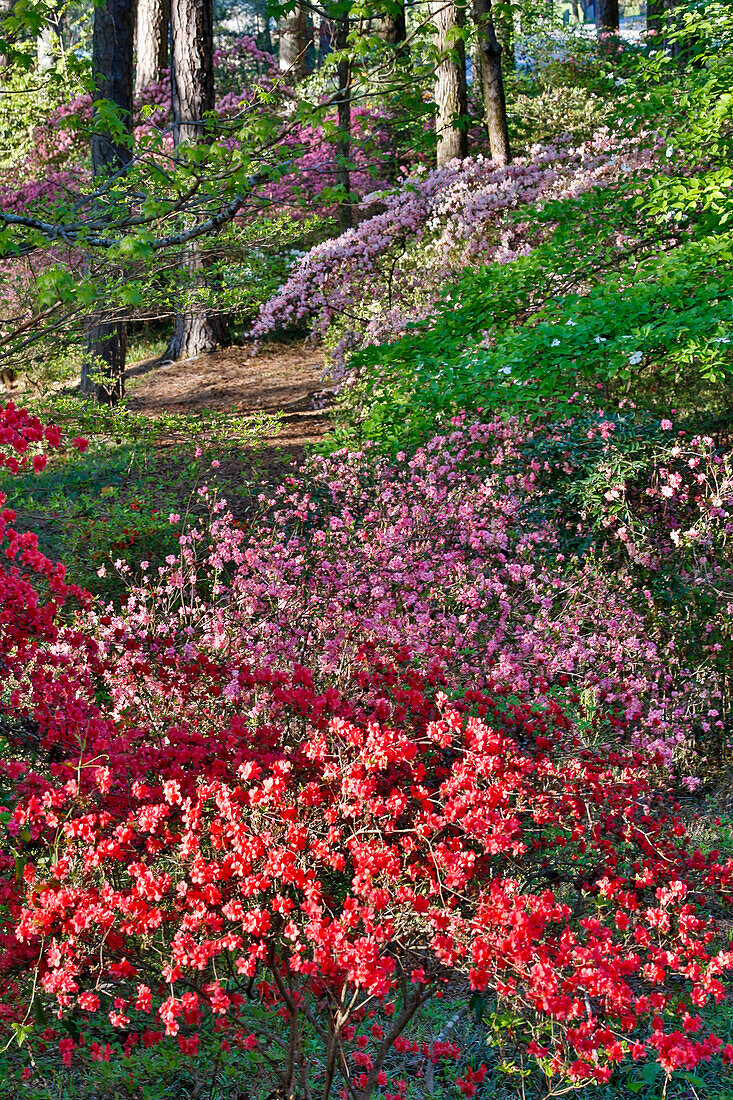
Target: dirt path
x=281, y=377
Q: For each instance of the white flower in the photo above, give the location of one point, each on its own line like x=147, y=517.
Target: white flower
x=573, y=323
x=636, y=357
x=555, y=344
x=505, y=370
x=668, y=151
x=599, y=339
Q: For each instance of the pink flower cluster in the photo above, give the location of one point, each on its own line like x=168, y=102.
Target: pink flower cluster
x=458, y=216
x=439, y=559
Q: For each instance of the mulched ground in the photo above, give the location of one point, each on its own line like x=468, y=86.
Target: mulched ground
x=280, y=377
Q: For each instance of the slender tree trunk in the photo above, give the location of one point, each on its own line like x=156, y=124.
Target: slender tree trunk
x=654, y=12
x=151, y=41
x=659, y=20
x=294, y=42
x=196, y=330
x=503, y=16
x=607, y=15
x=48, y=43
x=264, y=38
x=326, y=37
x=106, y=340
x=6, y=8
x=343, y=140
x=492, y=83
x=391, y=27
x=450, y=81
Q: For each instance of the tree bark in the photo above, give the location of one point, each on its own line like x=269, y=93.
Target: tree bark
x=294, y=42
x=48, y=43
x=326, y=36
x=654, y=13
x=450, y=81
x=607, y=15
x=391, y=26
x=106, y=338
x=151, y=41
x=6, y=8
x=503, y=18
x=112, y=71
x=661, y=22
x=196, y=330
x=264, y=38
x=343, y=140
x=492, y=83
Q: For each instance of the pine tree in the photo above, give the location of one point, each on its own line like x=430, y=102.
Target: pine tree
x=450, y=80
x=196, y=329
x=106, y=340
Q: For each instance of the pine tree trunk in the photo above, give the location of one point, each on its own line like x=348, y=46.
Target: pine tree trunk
x=196, y=330
x=607, y=15
x=343, y=140
x=450, y=82
x=106, y=338
x=151, y=41
x=492, y=83
x=293, y=42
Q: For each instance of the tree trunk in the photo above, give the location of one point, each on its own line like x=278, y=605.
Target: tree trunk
x=503, y=17
x=151, y=41
x=391, y=26
x=607, y=15
x=492, y=83
x=294, y=42
x=112, y=71
x=450, y=81
x=264, y=38
x=48, y=43
x=326, y=36
x=654, y=12
x=6, y=7
x=103, y=364
x=196, y=330
x=106, y=338
x=343, y=140
x=662, y=23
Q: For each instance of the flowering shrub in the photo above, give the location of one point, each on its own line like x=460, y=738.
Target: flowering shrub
x=462, y=560
x=455, y=217
x=305, y=878
x=208, y=841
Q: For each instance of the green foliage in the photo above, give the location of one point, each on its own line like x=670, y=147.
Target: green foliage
x=115, y=500
x=504, y=339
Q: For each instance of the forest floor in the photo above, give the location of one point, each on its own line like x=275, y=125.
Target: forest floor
x=280, y=378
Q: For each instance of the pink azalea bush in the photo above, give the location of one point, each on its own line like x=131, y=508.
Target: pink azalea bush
x=391, y=268
x=439, y=560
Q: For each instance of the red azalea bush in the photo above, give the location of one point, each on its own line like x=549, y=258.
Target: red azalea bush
x=305, y=881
